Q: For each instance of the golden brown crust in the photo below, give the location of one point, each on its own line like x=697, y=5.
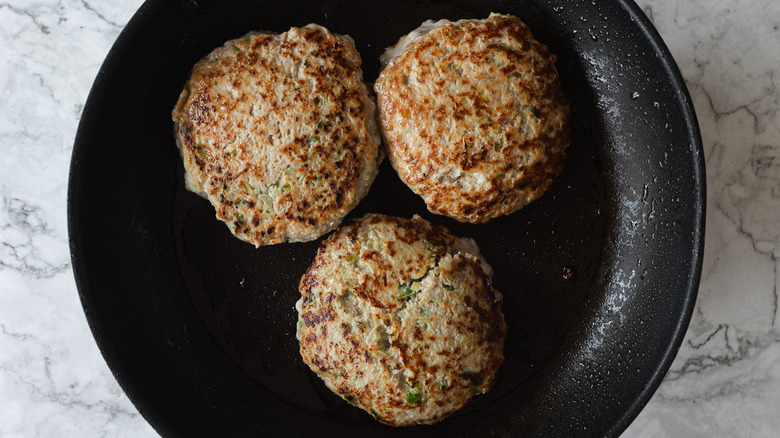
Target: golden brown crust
x=474, y=118
x=399, y=318
x=278, y=132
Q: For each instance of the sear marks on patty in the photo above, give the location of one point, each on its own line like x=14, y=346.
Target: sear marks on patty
x=278, y=132
x=399, y=318
x=473, y=116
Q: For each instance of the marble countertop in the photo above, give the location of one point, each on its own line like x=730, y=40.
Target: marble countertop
x=724, y=382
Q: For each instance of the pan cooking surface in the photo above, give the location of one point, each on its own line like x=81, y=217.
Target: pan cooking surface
x=599, y=275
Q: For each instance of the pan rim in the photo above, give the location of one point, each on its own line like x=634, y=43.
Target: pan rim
x=694, y=133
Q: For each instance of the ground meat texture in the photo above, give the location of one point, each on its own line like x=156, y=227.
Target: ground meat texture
x=473, y=116
x=399, y=318
x=279, y=133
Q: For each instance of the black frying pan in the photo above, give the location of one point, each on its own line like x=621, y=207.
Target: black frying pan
x=599, y=275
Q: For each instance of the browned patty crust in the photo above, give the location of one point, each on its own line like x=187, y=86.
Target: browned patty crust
x=474, y=118
x=399, y=318
x=279, y=133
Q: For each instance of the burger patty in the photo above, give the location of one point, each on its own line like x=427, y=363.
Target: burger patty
x=473, y=116
x=399, y=318
x=279, y=133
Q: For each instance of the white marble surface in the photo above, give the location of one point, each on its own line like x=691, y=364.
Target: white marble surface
x=725, y=381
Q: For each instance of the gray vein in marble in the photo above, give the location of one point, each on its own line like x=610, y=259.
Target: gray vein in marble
x=90, y=8
x=69, y=399
x=21, y=224
x=24, y=12
x=19, y=336
x=748, y=350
